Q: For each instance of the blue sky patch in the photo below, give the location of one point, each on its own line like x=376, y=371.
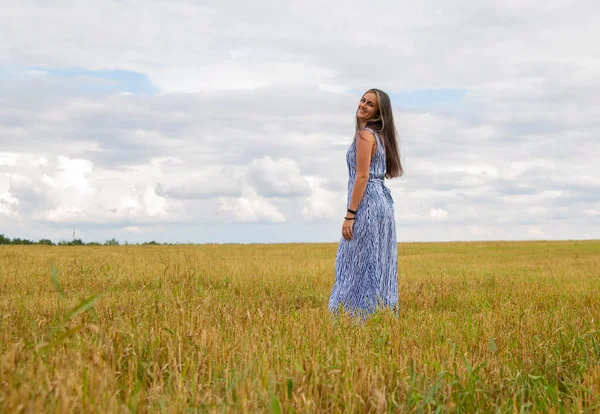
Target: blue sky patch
x=123, y=80
x=128, y=81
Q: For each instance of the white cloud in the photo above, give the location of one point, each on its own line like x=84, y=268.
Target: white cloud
x=254, y=115
x=280, y=177
x=536, y=231
x=8, y=159
x=323, y=204
x=65, y=190
x=8, y=204
x=250, y=208
x=205, y=184
x=438, y=214
x=593, y=212
x=133, y=229
x=73, y=174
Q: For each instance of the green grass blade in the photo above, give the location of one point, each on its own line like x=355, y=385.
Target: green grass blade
x=275, y=404
x=84, y=305
x=55, y=282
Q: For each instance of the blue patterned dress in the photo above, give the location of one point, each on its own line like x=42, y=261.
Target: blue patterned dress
x=366, y=268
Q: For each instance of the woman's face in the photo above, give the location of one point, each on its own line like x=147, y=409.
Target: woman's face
x=368, y=106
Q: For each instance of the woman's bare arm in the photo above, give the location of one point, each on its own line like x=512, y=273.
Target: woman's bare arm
x=364, y=150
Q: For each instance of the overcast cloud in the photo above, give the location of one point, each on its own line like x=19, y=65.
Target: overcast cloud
x=228, y=121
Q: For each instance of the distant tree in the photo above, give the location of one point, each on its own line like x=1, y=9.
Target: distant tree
x=94, y=243
x=74, y=242
x=21, y=241
x=153, y=242
x=111, y=242
x=4, y=239
x=46, y=242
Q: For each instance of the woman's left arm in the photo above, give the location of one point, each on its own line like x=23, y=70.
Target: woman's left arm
x=364, y=150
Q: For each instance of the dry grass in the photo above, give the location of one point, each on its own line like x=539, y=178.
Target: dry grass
x=483, y=327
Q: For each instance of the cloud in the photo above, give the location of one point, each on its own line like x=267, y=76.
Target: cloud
x=8, y=159
x=133, y=229
x=438, y=214
x=62, y=190
x=280, y=177
x=212, y=182
x=216, y=114
x=8, y=204
x=269, y=177
x=536, y=231
x=322, y=204
x=250, y=208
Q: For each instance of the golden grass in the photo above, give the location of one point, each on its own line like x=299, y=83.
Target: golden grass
x=483, y=327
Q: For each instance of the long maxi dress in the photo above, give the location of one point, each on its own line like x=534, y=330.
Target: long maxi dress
x=366, y=268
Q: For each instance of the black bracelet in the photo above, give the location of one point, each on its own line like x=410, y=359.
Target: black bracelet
x=351, y=211
x=348, y=218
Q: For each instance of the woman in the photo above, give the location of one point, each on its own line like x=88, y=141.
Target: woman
x=366, y=269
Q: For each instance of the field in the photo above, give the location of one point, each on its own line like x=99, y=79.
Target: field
x=486, y=327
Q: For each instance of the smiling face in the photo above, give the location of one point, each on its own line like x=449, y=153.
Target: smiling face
x=368, y=107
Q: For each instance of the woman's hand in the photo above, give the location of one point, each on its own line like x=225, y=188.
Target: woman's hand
x=348, y=227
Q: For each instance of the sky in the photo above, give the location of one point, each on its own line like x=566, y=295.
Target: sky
x=228, y=121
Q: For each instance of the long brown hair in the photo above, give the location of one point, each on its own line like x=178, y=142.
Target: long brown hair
x=383, y=124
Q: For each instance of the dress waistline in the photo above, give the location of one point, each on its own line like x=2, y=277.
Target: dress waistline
x=386, y=191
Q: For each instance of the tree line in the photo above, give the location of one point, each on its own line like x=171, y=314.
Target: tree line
x=75, y=242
